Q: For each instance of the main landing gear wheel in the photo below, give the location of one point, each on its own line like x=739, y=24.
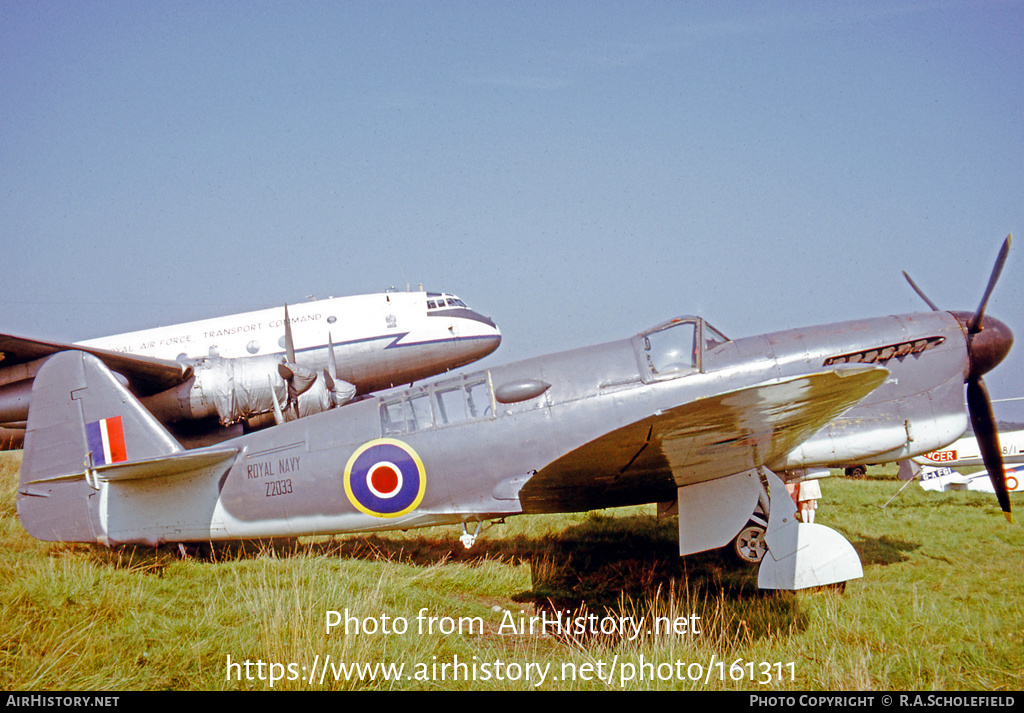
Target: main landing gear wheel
x=749, y=545
x=857, y=471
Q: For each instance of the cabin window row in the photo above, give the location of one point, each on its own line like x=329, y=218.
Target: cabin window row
x=447, y=302
x=445, y=403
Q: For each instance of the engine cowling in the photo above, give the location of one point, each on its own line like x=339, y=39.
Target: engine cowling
x=240, y=389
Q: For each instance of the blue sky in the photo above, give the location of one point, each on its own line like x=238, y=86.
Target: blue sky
x=577, y=170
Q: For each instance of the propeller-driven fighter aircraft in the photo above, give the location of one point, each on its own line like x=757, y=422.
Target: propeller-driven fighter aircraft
x=200, y=378
x=677, y=413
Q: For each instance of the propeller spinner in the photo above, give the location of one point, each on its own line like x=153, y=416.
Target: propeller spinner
x=988, y=342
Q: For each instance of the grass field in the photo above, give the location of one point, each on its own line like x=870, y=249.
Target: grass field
x=939, y=607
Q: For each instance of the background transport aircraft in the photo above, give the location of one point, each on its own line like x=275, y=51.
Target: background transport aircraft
x=213, y=379
x=679, y=414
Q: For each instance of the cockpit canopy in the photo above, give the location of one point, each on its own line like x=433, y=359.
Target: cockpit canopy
x=676, y=347
x=436, y=300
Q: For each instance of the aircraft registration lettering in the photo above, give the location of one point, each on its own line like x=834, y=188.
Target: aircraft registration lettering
x=941, y=456
x=937, y=473
x=279, y=487
x=385, y=478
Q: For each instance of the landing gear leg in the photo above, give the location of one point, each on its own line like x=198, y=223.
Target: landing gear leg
x=802, y=555
x=467, y=539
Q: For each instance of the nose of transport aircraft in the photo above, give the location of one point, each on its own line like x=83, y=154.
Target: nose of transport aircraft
x=477, y=317
x=482, y=331
x=475, y=335
x=987, y=347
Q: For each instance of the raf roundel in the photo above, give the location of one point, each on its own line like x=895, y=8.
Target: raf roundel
x=385, y=478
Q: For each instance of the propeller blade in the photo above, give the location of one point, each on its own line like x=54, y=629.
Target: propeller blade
x=920, y=293
x=298, y=379
x=289, y=345
x=278, y=415
x=985, y=349
x=980, y=408
x=974, y=326
x=289, y=381
x=332, y=362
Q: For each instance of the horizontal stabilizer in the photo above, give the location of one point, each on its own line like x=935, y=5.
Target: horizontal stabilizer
x=161, y=467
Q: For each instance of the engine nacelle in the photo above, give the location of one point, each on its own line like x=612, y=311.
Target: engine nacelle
x=317, y=391
x=14, y=400
x=238, y=389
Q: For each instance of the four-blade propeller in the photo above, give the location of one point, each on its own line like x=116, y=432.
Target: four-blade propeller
x=988, y=342
x=330, y=391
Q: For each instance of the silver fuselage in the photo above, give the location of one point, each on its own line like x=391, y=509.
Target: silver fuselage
x=478, y=457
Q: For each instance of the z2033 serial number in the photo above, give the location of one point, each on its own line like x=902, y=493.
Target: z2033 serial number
x=279, y=487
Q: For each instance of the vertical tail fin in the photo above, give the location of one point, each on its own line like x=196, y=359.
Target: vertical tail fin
x=80, y=417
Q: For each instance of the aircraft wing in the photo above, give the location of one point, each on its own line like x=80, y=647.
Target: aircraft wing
x=146, y=375
x=698, y=441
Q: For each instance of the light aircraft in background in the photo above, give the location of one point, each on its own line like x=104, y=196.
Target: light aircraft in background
x=678, y=413
x=946, y=478
x=935, y=470
x=211, y=379
x=967, y=452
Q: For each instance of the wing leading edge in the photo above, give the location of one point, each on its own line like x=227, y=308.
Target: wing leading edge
x=703, y=440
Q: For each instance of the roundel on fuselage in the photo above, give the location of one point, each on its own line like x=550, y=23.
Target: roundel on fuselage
x=385, y=478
